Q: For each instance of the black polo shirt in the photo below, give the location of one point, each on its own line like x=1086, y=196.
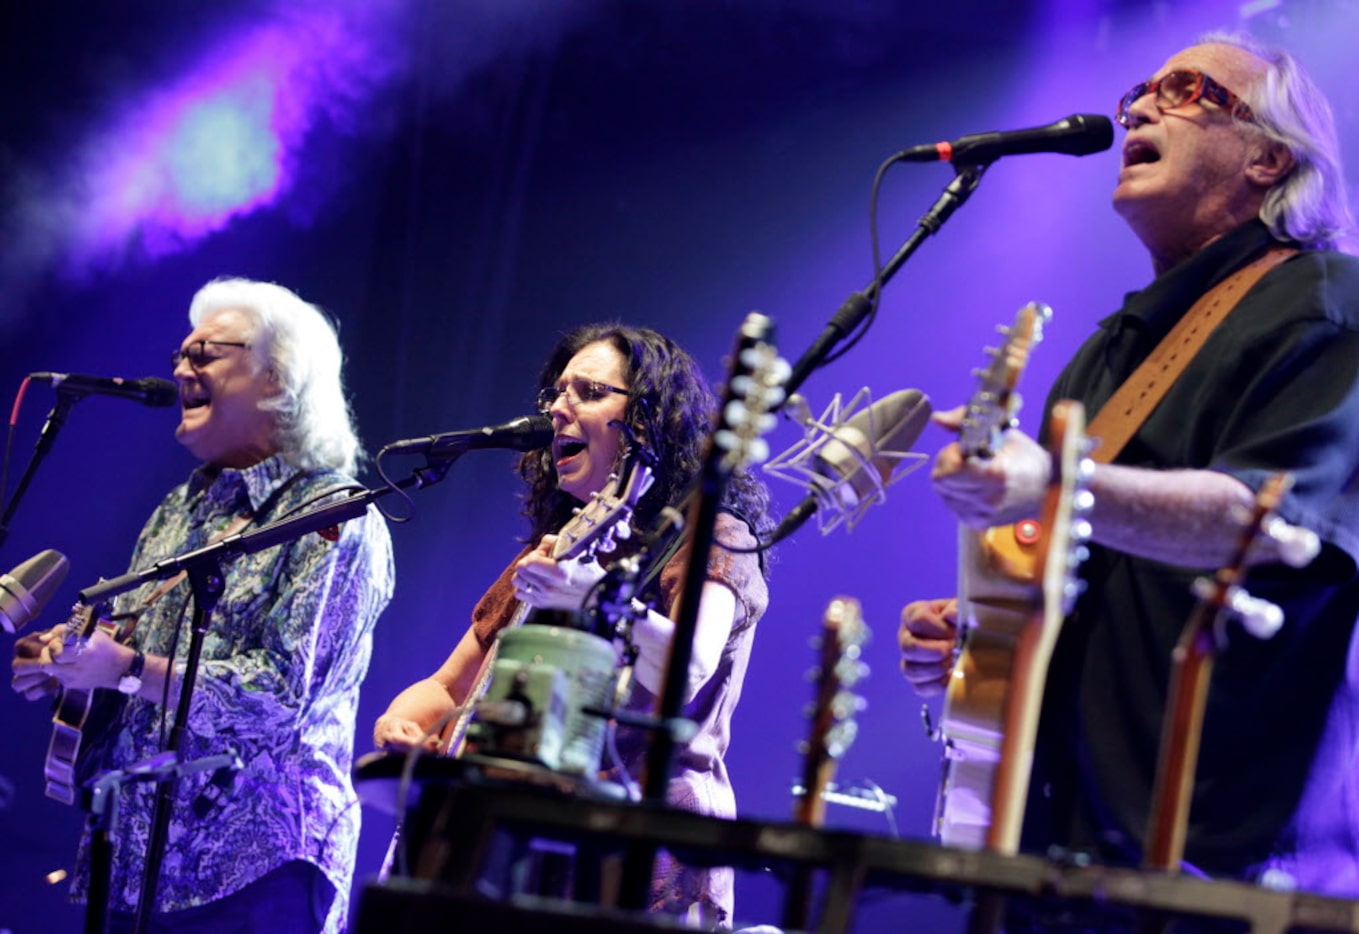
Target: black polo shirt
x=1276, y=387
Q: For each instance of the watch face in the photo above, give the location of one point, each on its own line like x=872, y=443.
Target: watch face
x=129, y=684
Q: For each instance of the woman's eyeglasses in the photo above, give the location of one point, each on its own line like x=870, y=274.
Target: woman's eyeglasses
x=576, y=392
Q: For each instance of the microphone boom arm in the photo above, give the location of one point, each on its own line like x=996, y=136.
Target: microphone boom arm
x=858, y=305
x=266, y=536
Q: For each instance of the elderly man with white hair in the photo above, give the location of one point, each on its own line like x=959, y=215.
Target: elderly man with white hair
x=263, y=407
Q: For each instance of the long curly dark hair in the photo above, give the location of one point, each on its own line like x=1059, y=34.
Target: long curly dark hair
x=671, y=407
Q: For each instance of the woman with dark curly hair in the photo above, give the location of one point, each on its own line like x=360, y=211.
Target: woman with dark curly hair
x=599, y=378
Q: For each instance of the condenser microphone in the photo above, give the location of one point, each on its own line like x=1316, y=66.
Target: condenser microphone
x=848, y=464
x=526, y=433
x=25, y=590
x=1077, y=135
x=151, y=391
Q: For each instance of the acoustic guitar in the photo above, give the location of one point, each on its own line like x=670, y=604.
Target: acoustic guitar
x=591, y=529
x=72, y=709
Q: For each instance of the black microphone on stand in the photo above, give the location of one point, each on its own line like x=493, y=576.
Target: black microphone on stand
x=526, y=433
x=152, y=391
x=1077, y=135
x=847, y=465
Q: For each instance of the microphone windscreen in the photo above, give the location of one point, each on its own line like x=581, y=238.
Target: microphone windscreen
x=160, y=393
x=26, y=590
x=1095, y=133
x=868, y=447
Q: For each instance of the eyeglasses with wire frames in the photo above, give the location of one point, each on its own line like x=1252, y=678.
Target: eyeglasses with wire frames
x=196, y=352
x=1180, y=88
x=576, y=391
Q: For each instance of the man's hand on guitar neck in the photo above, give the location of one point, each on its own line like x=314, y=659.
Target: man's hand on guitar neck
x=1000, y=490
x=31, y=652
x=41, y=666
x=928, y=637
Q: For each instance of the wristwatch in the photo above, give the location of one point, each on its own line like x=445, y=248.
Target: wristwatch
x=131, y=681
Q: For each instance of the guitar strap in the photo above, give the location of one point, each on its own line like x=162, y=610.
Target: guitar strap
x=1129, y=406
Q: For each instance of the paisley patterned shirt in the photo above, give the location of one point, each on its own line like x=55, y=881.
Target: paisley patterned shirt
x=288, y=645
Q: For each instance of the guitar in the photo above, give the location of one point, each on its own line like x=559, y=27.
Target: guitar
x=989, y=587
x=1192, y=668
x=833, y=729
x=591, y=529
x=1017, y=585
x=72, y=709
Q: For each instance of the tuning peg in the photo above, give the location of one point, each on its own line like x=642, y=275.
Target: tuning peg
x=1083, y=501
x=1297, y=545
x=846, y=704
x=1081, y=530
x=1260, y=618
x=622, y=530
x=840, y=737
x=851, y=671
x=1071, y=591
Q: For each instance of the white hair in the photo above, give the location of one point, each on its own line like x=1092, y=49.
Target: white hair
x=314, y=425
x=1310, y=205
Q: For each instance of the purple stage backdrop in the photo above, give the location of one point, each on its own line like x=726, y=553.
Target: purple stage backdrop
x=459, y=183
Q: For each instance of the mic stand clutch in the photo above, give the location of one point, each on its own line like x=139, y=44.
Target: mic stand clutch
x=855, y=308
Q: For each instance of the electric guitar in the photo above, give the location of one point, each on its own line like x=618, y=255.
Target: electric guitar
x=1192, y=669
x=72, y=708
x=970, y=721
x=833, y=729
x=1017, y=583
x=592, y=529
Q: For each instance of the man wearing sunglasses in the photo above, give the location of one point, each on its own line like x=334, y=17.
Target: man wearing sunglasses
x=1229, y=159
x=271, y=846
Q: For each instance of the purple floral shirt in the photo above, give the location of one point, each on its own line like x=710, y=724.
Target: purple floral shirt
x=288, y=646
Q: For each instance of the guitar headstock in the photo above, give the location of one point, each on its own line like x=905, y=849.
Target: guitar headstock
x=79, y=625
x=1223, y=594
x=832, y=714
x=595, y=526
x=754, y=391
x=995, y=403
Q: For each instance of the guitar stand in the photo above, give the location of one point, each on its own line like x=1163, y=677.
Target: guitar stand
x=105, y=791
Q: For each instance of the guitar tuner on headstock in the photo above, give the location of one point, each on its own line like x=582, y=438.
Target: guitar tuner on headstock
x=1257, y=616
x=1297, y=545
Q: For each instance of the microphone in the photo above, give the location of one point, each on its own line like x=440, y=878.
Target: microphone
x=26, y=590
x=525, y=433
x=1077, y=135
x=152, y=391
x=848, y=464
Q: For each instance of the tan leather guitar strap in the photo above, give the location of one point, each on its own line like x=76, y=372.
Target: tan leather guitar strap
x=1129, y=406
